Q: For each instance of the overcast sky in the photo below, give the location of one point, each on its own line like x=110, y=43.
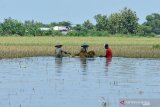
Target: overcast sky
x=76, y=11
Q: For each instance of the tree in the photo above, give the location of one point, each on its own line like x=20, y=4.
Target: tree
x=114, y=23
x=129, y=21
x=32, y=28
x=88, y=25
x=124, y=22
x=102, y=22
x=1, y=31
x=79, y=27
x=144, y=30
x=153, y=21
x=11, y=27
x=52, y=24
x=64, y=23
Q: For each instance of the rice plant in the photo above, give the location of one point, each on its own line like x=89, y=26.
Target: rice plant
x=137, y=47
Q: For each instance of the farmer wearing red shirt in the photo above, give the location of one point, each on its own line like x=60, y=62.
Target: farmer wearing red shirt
x=108, y=51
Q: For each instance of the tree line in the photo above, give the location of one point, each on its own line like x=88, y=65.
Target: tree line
x=123, y=22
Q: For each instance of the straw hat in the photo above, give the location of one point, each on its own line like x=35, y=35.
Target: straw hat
x=84, y=45
x=58, y=44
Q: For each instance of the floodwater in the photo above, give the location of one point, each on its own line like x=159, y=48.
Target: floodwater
x=75, y=82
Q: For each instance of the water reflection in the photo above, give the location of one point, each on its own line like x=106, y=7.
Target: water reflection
x=58, y=64
x=108, y=64
x=83, y=64
x=75, y=82
x=108, y=61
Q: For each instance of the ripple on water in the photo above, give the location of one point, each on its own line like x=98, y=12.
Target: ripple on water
x=75, y=82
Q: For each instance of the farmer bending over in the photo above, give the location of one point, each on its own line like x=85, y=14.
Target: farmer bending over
x=83, y=52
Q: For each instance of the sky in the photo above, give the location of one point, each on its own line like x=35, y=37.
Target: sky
x=75, y=11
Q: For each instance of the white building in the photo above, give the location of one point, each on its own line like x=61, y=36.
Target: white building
x=61, y=28
x=44, y=29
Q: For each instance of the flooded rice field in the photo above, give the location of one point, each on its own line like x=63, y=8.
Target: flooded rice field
x=75, y=82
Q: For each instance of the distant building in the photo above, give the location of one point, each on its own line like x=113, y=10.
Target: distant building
x=61, y=28
x=44, y=29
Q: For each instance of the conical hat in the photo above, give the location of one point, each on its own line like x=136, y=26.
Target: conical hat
x=85, y=45
x=58, y=44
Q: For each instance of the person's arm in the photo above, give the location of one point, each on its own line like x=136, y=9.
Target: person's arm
x=104, y=55
x=66, y=52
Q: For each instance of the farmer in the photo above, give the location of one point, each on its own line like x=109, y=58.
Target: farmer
x=108, y=54
x=83, y=52
x=108, y=51
x=84, y=47
x=59, y=51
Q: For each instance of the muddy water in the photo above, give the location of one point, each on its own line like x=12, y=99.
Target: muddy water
x=75, y=82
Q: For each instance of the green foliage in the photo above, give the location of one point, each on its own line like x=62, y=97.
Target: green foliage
x=48, y=33
x=102, y=22
x=64, y=23
x=89, y=33
x=79, y=28
x=56, y=33
x=144, y=30
x=114, y=23
x=77, y=33
x=32, y=28
x=124, y=22
x=52, y=24
x=153, y=21
x=1, y=30
x=12, y=27
x=129, y=21
x=88, y=25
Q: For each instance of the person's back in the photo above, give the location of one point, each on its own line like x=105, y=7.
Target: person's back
x=108, y=51
x=58, y=52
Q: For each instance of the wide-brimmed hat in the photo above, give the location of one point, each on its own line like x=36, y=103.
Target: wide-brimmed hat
x=85, y=45
x=58, y=44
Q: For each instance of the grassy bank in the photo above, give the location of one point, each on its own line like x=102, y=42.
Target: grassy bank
x=138, y=47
